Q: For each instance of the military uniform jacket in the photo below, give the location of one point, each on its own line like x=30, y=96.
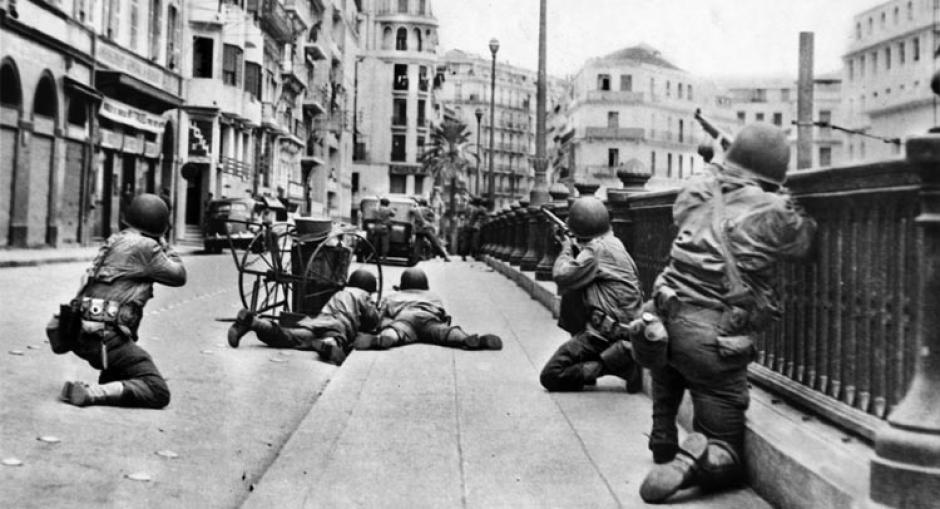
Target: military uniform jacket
x=383, y=218
x=760, y=227
x=412, y=306
x=348, y=311
x=607, y=274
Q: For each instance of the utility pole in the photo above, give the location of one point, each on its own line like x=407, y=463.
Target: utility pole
x=804, y=104
x=539, y=193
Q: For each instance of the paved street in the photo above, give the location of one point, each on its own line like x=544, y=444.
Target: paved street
x=417, y=426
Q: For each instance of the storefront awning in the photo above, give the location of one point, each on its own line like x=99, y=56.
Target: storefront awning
x=115, y=80
x=125, y=114
x=79, y=88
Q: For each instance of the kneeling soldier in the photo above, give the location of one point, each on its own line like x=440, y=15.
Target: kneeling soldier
x=600, y=296
x=416, y=315
x=715, y=293
x=330, y=333
x=110, y=306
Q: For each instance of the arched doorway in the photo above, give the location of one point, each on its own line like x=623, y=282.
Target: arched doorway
x=11, y=106
x=41, y=162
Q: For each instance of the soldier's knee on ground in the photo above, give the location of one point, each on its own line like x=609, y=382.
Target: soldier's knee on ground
x=146, y=391
x=721, y=467
x=618, y=361
x=387, y=338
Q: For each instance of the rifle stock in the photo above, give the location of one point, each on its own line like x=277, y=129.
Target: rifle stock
x=555, y=220
x=723, y=138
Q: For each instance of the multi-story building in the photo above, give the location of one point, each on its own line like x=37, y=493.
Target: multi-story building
x=466, y=88
x=88, y=114
x=886, y=76
x=633, y=111
x=775, y=101
x=394, y=97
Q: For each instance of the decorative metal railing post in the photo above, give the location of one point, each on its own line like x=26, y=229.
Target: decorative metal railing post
x=534, y=242
x=510, y=241
x=905, y=471
x=497, y=234
x=620, y=218
x=559, y=206
x=502, y=252
x=585, y=189
x=520, y=233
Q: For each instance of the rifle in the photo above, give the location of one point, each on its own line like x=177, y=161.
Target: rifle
x=723, y=138
x=555, y=220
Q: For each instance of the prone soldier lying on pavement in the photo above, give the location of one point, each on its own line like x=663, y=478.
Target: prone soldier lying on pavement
x=716, y=292
x=100, y=325
x=330, y=333
x=414, y=314
x=600, y=296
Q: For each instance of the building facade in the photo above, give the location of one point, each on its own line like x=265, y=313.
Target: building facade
x=775, y=101
x=886, y=74
x=394, y=98
x=90, y=98
x=633, y=111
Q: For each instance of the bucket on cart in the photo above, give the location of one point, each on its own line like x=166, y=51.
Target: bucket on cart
x=322, y=276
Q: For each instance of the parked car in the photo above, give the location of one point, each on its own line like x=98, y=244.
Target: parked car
x=401, y=238
x=218, y=222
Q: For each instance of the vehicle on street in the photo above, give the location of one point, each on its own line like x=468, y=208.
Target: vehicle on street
x=402, y=238
x=231, y=216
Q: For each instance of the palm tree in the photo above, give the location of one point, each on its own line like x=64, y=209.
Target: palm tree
x=447, y=158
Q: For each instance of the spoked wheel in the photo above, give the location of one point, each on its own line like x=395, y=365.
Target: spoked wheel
x=264, y=275
x=329, y=266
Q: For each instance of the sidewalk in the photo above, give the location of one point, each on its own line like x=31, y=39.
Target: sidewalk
x=424, y=426
x=22, y=257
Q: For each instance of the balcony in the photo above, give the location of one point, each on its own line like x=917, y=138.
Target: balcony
x=613, y=96
x=614, y=133
x=299, y=12
x=235, y=167
x=275, y=20
x=315, y=50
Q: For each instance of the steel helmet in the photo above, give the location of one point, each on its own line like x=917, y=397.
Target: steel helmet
x=413, y=279
x=363, y=279
x=761, y=150
x=706, y=151
x=588, y=217
x=149, y=214
x=384, y=201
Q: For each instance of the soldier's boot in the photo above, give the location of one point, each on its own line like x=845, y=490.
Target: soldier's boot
x=242, y=325
x=386, y=338
x=682, y=472
x=82, y=394
x=721, y=468
x=483, y=342
x=618, y=361
x=330, y=350
x=590, y=371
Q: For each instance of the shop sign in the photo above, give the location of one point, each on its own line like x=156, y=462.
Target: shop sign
x=110, y=139
x=132, y=145
x=132, y=65
x=126, y=114
x=200, y=137
x=151, y=149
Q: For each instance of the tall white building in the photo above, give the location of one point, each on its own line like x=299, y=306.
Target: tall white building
x=775, y=101
x=394, y=97
x=633, y=111
x=887, y=70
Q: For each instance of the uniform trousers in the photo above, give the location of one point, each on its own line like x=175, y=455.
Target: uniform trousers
x=127, y=362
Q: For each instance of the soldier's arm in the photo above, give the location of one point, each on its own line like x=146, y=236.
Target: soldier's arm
x=572, y=272
x=165, y=266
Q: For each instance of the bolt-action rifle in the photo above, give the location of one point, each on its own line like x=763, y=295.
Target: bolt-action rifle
x=723, y=138
x=560, y=225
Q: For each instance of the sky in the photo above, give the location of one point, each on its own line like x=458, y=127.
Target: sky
x=712, y=38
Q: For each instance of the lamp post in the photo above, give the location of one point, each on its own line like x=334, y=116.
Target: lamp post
x=494, y=47
x=479, y=115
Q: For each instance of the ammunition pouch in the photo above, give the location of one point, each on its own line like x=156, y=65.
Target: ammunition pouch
x=125, y=317
x=649, y=350
x=606, y=326
x=63, y=329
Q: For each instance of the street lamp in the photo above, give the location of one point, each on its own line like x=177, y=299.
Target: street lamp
x=479, y=115
x=494, y=47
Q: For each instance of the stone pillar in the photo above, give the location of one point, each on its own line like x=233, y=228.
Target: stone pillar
x=621, y=220
x=492, y=231
x=534, y=243
x=510, y=233
x=905, y=471
x=520, y=233
x=558, y=206
x=585, y=189
x=500, y=251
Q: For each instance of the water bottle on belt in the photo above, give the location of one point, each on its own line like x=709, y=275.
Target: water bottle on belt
x=650, y=341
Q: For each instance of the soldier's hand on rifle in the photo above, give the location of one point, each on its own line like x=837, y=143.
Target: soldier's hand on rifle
x=559, y=235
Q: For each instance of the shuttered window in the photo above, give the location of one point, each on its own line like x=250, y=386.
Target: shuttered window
x=232, y=65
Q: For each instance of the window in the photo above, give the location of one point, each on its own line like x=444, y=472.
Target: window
x=626, y=82
x=135, y=16
x=253, y=79
x=423, y=78
x=884, y=18
x=613, y=157
x=419, y=184
x=668, y=89
x=901, y=55
x=680, y=165
x=825, y=117
x=231, y=64
x=422, y=9
x=156, y=20
x=172, y=34
x=871, y=26
x=759, y=117
x=861, y=66
x=396, y=184
x=398, y=147
x=785, y=94
x=613, y=119
x=689, y=92
x=910, y=10
x=603, y=82
x=402, y=5
x=825, y=156
x=888, y=58
x=778, y=118
x=399, y=112
x=858, y=30
x=874, y=63
x=915, y=49
x=741, y=116
x=202, y=57
x=401, y=39
x=652, y=88
x=851, y=69
x=679, y=90
x=669, y=165
x=421, y=115
x=897, y=13
x=401, y=77
x=653, y=162
x=681, y=130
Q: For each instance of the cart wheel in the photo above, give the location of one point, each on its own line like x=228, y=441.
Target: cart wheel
x=329, y=267
x=264, y=273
